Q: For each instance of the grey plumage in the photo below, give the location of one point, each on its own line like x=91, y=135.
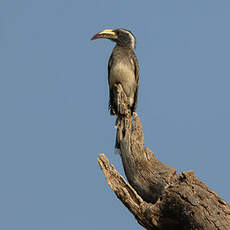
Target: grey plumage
x=123, y=69
x=123, y=66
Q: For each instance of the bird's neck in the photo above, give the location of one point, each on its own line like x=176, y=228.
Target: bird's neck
x=124, y=46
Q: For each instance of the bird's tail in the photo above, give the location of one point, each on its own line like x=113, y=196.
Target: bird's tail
x=117, y=149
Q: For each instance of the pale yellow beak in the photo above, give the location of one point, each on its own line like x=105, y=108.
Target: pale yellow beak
x=109, y=34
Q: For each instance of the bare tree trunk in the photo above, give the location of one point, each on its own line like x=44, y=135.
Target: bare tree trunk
x=159, y=198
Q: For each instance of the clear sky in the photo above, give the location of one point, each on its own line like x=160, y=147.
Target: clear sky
x=54, y=119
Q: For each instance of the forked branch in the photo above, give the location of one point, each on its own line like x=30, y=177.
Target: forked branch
x=159, y=198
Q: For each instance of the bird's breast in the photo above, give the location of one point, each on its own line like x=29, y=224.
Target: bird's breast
x=124, y=74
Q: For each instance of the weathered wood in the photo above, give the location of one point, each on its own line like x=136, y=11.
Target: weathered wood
x=157, y=196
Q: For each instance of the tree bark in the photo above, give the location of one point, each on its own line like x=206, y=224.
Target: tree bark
x=158, y=197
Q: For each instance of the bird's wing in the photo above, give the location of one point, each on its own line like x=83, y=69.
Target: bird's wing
x=137, y=78
x=109, y=66
x=111, y=97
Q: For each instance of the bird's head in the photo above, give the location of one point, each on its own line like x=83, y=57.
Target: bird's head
x=122, y=37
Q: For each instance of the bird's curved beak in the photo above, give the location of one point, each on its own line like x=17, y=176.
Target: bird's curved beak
x=109, y=34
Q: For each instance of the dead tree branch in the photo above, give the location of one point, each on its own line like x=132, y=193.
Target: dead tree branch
x=159, y=198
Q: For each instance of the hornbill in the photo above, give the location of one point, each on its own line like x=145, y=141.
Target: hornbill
x=122, y=67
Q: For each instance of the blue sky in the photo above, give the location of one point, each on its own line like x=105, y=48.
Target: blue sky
x=54, y=119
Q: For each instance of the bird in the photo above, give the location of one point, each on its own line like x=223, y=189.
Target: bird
x=123, y=67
